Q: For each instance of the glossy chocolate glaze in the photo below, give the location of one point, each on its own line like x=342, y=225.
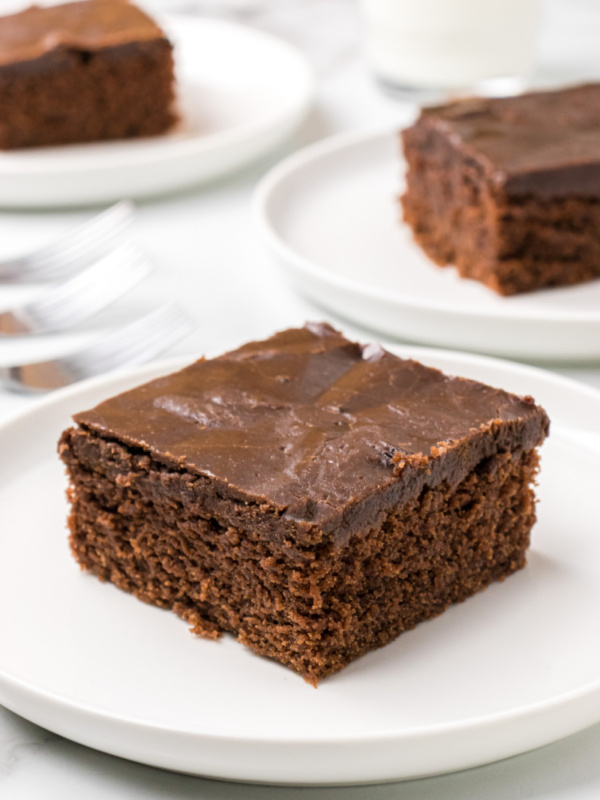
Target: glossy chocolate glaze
x=88, y=26
x=542, y=143
x=313, y=426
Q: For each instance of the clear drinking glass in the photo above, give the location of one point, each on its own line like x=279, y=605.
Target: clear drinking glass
x=446, y=46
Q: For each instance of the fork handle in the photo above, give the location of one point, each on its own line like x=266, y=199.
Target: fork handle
x=12, y=269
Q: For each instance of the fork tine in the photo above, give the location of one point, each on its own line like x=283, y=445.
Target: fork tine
x=74, y=250
x=83, y=295
x=135, y=343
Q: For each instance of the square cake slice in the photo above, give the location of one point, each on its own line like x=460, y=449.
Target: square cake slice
x=311, y=496
x=508, y=189
x=83, y=72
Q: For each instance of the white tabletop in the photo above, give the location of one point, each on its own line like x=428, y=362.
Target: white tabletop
x=208, y=258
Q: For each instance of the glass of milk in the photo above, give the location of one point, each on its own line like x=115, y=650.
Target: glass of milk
x=451, y=45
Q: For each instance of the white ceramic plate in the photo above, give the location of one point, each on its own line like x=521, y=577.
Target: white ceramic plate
x=511, y=669
x=330, y=214
x=241, y=93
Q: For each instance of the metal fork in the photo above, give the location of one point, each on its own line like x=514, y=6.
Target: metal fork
x=73, y=251
x=79, y=297
x=133, y=344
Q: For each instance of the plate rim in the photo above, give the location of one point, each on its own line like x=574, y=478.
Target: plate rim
x=467, y=725
x=139, y=374
x=331, y=145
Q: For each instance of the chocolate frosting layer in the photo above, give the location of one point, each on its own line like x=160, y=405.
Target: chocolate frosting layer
x=542, y=143
x=88, y=25
x=309, y=424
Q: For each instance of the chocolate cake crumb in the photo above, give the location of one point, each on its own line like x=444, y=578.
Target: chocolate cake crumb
x=312, y=543
x=508, y=189
x=82, y=72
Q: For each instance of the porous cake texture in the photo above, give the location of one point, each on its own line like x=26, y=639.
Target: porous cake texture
x=83, y=72
x=508, y=189
x=311, y=496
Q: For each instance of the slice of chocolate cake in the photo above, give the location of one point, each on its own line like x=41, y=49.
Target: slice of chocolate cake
x=311, y=496
x=83, y=72
x=508, y=189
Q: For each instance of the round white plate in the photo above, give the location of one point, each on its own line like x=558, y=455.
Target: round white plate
x=513, y=668
x=331, y=216
x=241, y=92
